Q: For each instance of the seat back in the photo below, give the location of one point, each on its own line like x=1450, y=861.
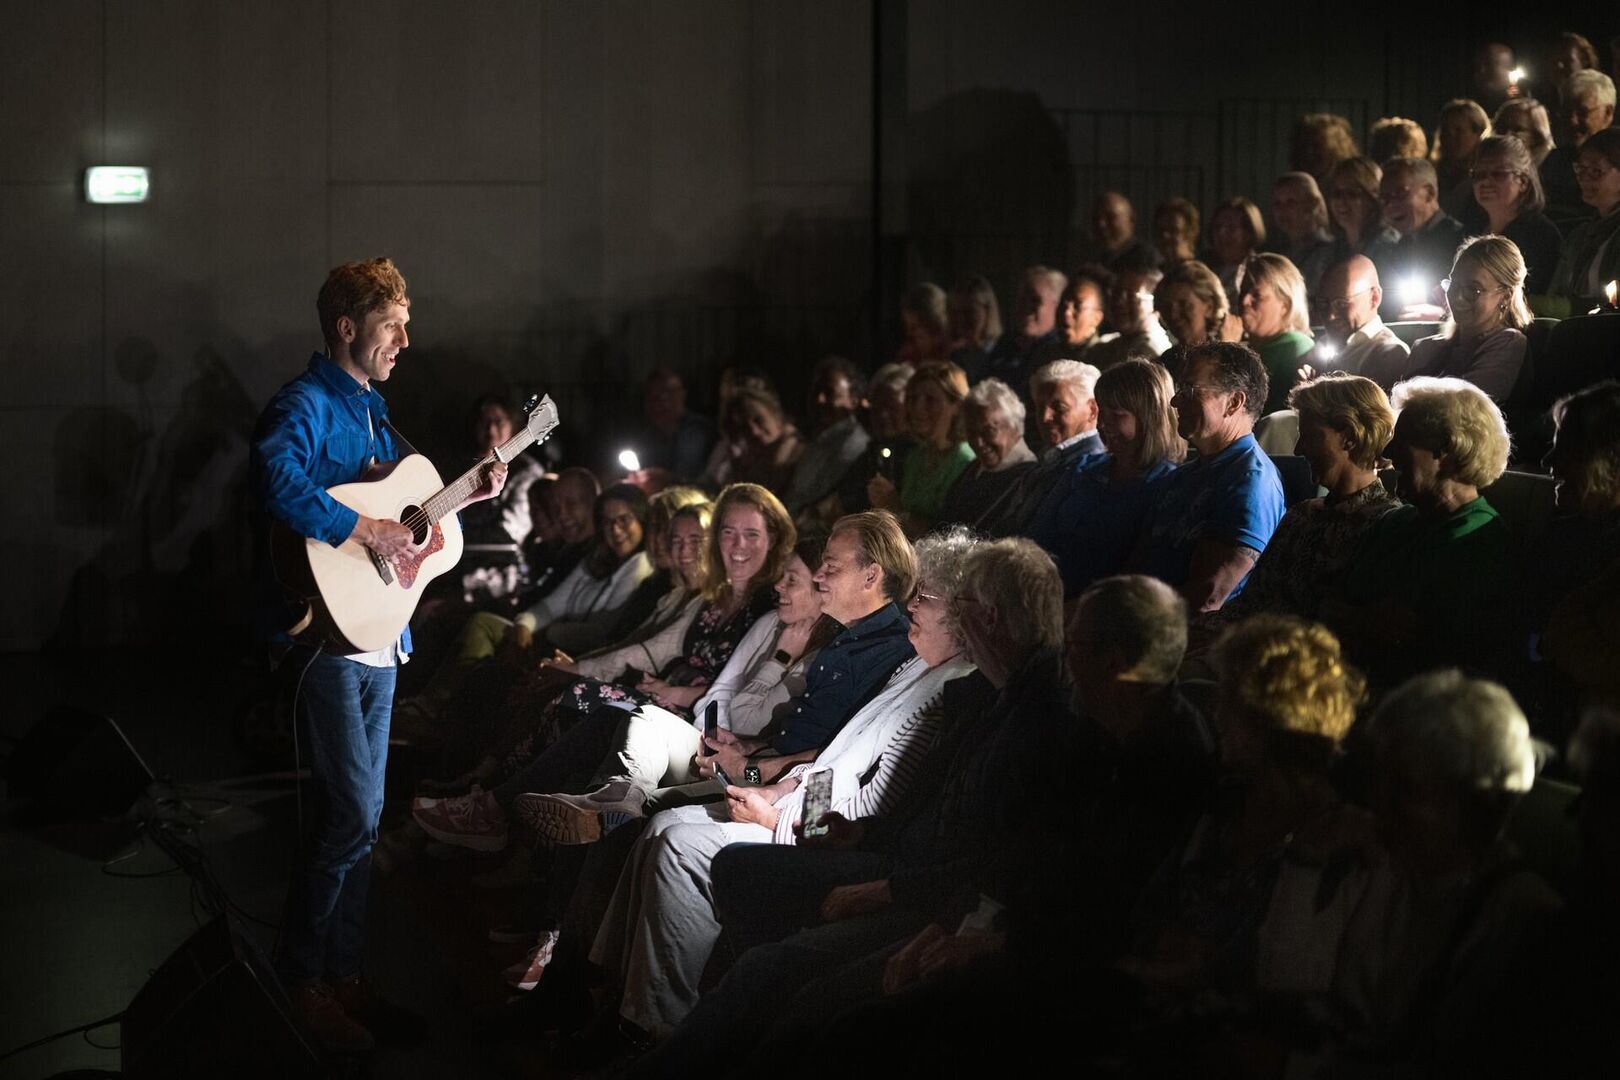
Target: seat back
x=1297, y=482
x=1526, y=502
x=1277, y=432
x=1580, y=351
x=1543, y=830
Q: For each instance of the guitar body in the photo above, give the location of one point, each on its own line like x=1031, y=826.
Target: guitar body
x=357, y=601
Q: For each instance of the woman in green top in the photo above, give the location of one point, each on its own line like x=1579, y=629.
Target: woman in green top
x=1424, y=586
x=1276, y=321
x=934, y=414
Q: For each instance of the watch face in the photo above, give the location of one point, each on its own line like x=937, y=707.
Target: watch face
x=751, y=774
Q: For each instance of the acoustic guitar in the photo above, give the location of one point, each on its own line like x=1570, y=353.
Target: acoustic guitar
x=350, y=598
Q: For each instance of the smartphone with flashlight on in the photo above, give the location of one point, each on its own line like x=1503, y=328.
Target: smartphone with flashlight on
x=886, y=463
x=817, y=800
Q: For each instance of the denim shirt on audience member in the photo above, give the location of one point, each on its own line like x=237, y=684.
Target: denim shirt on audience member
x=1089, y=523
x=320, y=430
x=847, y=672
x=1234, y=497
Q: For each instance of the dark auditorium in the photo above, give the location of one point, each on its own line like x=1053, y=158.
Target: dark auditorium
x=631, y=539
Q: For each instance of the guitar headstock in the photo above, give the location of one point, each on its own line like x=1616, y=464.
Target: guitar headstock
x=542, y=417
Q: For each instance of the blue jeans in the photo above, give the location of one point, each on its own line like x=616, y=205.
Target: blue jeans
x=344, y=709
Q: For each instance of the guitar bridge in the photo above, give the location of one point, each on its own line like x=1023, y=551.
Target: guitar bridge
x=384, y=570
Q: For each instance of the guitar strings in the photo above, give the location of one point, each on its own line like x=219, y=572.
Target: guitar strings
x=422, y=518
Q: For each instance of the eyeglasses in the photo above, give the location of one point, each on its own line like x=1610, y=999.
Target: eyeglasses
x=1340, y=305
x=1461, y=290
x=1592, y=172
x=932, y=598
x=1195, y=390
x=1501, y=176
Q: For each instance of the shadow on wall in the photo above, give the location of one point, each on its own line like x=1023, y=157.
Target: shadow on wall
x=178, y=558
x=991, y=188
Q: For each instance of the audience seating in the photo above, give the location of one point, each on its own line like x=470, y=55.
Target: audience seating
x=1297, y=481
x=1543, y=829
x=1526, y=502
x=1580, y=351
x=1278, y=432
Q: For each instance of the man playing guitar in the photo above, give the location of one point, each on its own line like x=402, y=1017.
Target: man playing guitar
x=329, y=427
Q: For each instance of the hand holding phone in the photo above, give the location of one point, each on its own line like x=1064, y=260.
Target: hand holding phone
x=817, y=801
x=711, y=722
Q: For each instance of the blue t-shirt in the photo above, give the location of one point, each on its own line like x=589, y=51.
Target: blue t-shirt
x=1089, y=523
x=1235, y=497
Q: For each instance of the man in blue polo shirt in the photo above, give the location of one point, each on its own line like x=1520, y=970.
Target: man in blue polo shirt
x=1218, y=511
x=329, y=427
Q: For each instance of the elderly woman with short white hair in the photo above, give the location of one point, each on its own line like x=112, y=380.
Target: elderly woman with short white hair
x=1425, y=586
x=995, y=431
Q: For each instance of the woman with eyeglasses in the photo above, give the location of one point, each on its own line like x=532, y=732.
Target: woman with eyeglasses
x=1483, y=341
x=1508, y=201
x=1356, y=213
x=1591, y=255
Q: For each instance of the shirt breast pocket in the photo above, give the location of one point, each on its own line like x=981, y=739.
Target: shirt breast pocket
x=342, y=458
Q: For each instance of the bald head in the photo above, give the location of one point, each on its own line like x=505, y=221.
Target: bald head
x=1351, y=292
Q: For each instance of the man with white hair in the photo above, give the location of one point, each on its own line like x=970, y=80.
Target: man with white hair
x=1066, y=416
x=1588, y=105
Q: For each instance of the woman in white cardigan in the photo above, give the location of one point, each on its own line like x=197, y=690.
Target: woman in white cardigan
x=660, y=926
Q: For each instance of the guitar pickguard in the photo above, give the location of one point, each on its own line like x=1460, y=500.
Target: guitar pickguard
x=407, y=566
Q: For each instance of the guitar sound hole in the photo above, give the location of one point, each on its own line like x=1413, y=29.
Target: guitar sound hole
x=413, y=516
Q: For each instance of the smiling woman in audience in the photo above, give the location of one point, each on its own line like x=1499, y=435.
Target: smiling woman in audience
x=1508, y=201
x=1236, y=231
x=934, y=414
x=1277, y=322
x=1192, y=304
x=1357, y=213
x=1463, y=124
x=1483, y=342
x=995, y=431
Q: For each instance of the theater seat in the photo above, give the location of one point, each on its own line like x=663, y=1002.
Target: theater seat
x=1544, y=832
x=1278, y=432
x=1525, y=412
x=1579, y=352
x=1411, y=332
x=1526, y=502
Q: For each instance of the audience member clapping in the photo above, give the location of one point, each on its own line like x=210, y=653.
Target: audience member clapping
x=1276, y=323
x=1090, y=520
x=1590, y=257
x=939, y=454
x=1508, y=201
x=1483, y=342
x=1218, y=511
x=995, y=431
x=1425, y=585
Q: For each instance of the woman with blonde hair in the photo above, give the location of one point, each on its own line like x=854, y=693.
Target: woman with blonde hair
x=1277, y=322
x=1483, y=341
x=934, y=400
x=1090, y=521
x=1508, y=201
x=1425, y=586
x=1320, y=141
x=1344, y=423
x=1396, y=136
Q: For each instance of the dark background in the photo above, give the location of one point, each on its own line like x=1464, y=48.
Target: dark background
x=576, y=191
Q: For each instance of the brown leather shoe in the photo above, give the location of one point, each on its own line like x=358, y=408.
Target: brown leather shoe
x=334, y=1029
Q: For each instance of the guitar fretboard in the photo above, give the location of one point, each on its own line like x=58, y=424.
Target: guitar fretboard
x=456, y=492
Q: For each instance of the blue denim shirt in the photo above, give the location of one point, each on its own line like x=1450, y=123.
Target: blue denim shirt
x=847, y=672
x=320, y=430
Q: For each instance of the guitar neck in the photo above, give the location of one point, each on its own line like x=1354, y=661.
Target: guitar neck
x=453, y=494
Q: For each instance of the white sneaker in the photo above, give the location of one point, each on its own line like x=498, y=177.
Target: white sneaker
x=525, y=974
x=581, y=819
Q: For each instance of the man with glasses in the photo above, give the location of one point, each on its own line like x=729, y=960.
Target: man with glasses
x=1410, y=194
x=1351, y=294
x=1588, y=107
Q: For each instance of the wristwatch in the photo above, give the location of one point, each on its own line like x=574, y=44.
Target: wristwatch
x=782, y=657
x=751, y=775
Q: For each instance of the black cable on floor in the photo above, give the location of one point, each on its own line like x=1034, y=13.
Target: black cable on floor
x=113, y=1019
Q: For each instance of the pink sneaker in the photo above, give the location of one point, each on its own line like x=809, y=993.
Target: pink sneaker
x=471, y=821
x=525, y=974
